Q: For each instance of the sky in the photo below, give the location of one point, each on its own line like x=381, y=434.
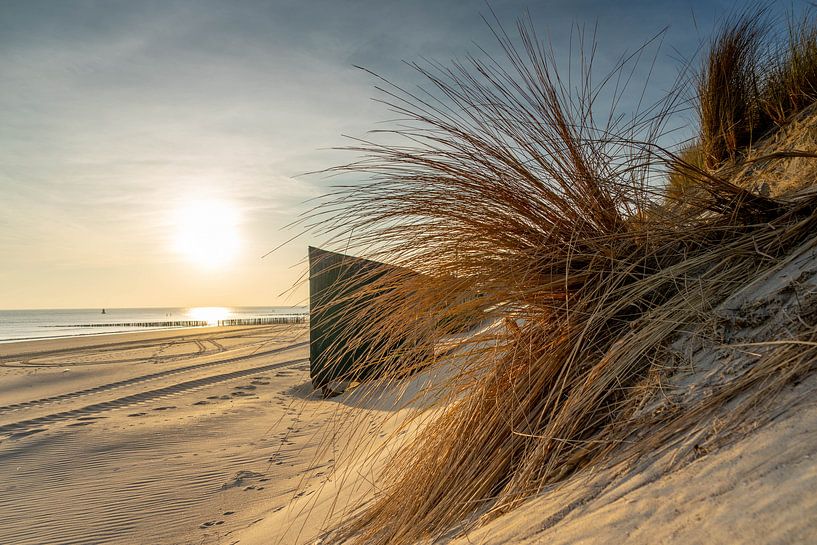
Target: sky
x=151, y=152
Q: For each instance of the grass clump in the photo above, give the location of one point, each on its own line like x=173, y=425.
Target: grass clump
x=791, y=85
x=729, y=89
x=681, y=185
x=752, y=82
x=509, y=190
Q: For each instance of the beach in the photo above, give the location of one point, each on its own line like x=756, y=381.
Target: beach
x=33, y=324
x=177, y=436
x=312, y=273
x=201, y=435
x=214, y=435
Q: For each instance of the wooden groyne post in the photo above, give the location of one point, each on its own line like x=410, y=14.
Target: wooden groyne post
x=267, y=320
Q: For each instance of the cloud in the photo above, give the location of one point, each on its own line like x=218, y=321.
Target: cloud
x=113, y=113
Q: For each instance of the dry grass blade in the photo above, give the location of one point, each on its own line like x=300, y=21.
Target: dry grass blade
x=791, y=84
x=517, y=207
x=729, y=89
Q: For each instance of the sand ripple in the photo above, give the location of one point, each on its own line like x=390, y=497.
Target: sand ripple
x=144, y=452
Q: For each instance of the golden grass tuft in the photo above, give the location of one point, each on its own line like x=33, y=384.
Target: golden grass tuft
x=729, y=89
x=791, y=84
x=520, y=202
x=680, y=185
x=752, y=82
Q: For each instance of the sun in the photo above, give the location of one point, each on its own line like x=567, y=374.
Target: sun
x=207, y=233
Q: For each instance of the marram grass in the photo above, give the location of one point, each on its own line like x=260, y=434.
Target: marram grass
x=521, y=205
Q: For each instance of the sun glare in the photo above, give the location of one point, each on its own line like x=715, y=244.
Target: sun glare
x=211, y=315
x=208, y=233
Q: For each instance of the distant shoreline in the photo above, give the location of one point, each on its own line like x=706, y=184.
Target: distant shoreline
x=106, y=333
x=33, y=325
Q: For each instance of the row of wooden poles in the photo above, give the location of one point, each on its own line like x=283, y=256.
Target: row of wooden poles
x=265, y=321
x=270, y=320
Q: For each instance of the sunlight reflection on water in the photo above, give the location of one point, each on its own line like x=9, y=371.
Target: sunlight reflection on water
x=211, y=315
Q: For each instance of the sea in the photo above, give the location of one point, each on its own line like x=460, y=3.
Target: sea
x=18, y=325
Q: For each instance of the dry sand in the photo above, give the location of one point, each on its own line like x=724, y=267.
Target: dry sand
x=173, y=437
x=214, y=436
x=160, y=437
x=760, y=490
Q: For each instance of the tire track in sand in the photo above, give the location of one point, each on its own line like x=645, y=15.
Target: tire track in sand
x=26, y=359
x=26, y=427
x=142, y=378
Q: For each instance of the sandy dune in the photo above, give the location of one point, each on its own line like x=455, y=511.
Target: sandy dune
x=162, y=437
x=760, y=490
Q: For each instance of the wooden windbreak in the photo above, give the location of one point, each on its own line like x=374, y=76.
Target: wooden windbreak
x=348, y=296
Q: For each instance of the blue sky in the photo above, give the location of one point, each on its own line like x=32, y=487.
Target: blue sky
x=116, y=115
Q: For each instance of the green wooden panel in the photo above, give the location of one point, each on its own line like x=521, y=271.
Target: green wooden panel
x=337, y=292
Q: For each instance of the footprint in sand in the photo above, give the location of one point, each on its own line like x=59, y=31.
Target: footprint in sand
x=21, y=434
x=239, y=478
x=210, y=523
x=245, y=387
x=164, y=408
x=137, y=414
x=228, y=513
x=202, y=402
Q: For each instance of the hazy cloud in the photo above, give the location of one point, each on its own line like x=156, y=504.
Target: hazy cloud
x=114, y=113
